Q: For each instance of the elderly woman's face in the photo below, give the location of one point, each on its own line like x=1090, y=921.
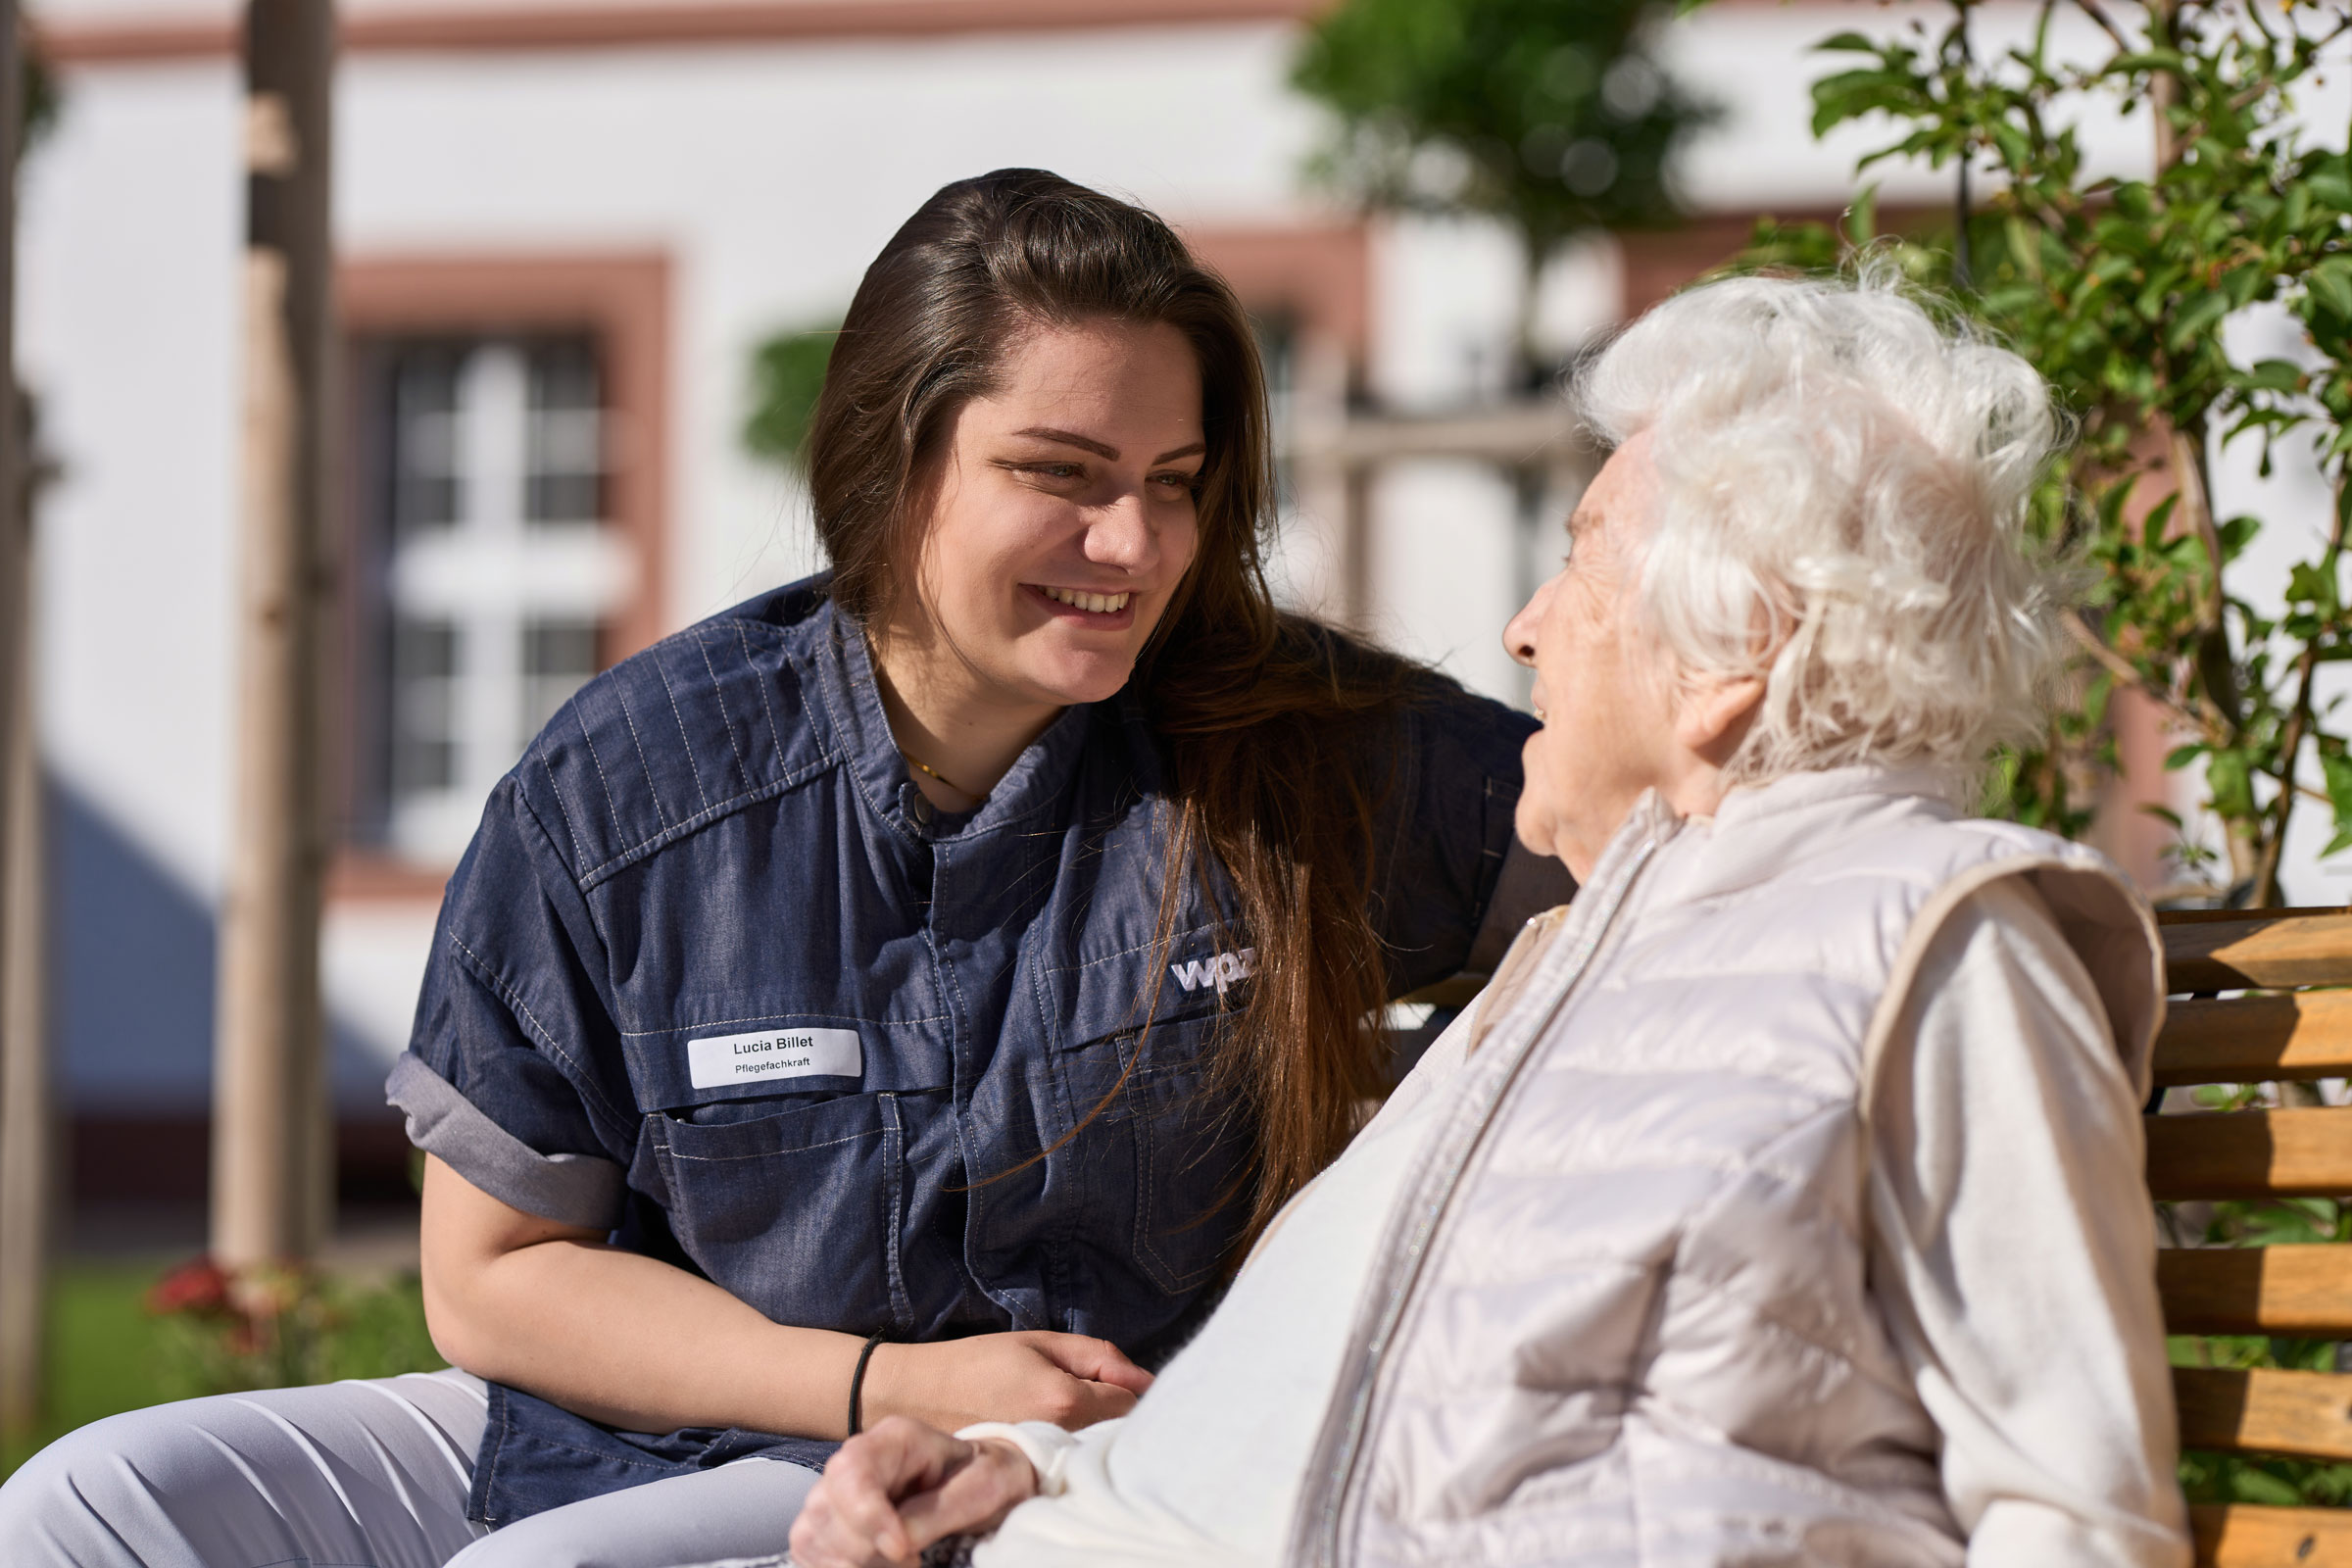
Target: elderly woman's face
x=1601, y=690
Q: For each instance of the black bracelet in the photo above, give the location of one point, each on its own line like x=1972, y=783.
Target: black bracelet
x=857, y=1382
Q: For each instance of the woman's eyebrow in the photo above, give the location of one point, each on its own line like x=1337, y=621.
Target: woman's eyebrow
x=1108, y=453
x=1067, y=439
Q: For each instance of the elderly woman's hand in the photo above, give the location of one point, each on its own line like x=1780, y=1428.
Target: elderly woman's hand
x=895, y=1489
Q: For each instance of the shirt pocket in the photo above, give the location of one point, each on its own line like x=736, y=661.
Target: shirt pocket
x=1191, y=1158
x=795, y=1205
x=1160, y=1152
x=787, y=1189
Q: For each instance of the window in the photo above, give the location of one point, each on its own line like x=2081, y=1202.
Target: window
x=506, y=512
x=494, y=569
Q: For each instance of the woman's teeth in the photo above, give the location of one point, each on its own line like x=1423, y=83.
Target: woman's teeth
x=1098, y=604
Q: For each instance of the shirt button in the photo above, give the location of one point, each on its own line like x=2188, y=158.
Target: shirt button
x=919, y=806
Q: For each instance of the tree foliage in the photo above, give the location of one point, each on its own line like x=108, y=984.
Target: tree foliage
x=788, y=372
x=39, y=95
x=2118, y=289
x=1551, y=115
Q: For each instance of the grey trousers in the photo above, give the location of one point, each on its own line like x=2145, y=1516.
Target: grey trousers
x=357, y=1475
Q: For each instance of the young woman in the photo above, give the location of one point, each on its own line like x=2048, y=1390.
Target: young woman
x=901, y=995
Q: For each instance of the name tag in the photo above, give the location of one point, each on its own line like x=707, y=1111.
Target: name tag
x=728, y=1059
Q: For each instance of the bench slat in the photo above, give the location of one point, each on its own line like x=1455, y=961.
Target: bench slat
x=2244, y=1536
x=2295, y=912
x=2257, y=1289
x=2253, y=1154
x=2304, y=1414
x=1462, y=990
x=2268, y=954
x=2256, y=1040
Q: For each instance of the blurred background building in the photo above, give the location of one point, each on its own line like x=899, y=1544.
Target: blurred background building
x=565, y=227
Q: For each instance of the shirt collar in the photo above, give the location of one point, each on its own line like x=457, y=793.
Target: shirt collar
x=860, y=733
x=1760, y=829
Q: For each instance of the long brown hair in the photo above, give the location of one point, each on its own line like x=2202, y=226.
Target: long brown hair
x=1270, y=723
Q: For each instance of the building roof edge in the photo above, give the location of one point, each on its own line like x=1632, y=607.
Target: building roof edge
x=484, y=29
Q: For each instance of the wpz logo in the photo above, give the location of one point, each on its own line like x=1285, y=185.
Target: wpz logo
x=1221, y=970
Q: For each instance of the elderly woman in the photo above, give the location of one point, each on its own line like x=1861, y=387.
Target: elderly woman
x=1781, y=1201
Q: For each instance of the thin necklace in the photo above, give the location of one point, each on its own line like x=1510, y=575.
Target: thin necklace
x=882, y=679
x=937, y=774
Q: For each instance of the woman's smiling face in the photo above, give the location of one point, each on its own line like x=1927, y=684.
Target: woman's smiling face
x=1063, y=516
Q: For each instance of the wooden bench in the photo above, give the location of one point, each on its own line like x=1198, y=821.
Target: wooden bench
x=2289, y=1034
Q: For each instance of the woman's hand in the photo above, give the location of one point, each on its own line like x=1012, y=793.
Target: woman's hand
x=1066, y=1379
x=895, y=1489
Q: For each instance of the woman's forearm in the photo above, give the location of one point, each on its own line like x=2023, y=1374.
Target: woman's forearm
x=637, y=1343
x=617, y=1337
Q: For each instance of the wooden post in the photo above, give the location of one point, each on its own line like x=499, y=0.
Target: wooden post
x=25, y=1109
x=1332, y=569
x=272, y=1191
x=1964, y=203
x=1357, y=546
x=29, y=1138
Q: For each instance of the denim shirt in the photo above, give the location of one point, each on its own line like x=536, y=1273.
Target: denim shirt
x=714, y=976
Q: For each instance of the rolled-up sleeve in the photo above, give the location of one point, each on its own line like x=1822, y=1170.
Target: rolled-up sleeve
x=512, y=1077
x=2014, y=1248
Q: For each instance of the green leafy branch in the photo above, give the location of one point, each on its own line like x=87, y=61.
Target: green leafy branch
x=2118, y=290
x=1557, y=119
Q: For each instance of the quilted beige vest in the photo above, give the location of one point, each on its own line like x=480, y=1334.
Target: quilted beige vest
x=1620, y=1315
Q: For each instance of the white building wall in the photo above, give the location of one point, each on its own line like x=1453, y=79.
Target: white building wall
x=769, y=175
x=128, y=336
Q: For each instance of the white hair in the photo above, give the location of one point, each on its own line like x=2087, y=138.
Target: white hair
x=1843, y=485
